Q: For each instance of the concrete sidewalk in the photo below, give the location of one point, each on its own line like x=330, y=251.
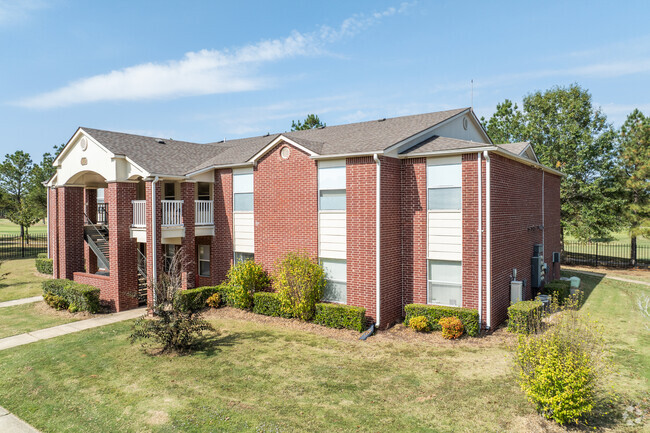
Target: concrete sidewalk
x=21, y=301
x=10, y=423
x=69, y=328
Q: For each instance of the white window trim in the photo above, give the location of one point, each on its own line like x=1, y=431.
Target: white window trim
x=204, y=260
x=335, y=163
x=429, y=280
x=320, y=259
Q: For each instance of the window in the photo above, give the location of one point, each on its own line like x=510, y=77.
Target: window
x=336, y=274
x=243, y=190
x=204, y=260
x=444, y=186
x=331, y=185
x=203, y=191
x=242, y=257
x=170, y=251
x=170, y=191
x=444, y=283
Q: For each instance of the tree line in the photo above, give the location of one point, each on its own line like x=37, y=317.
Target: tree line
x=606, y=187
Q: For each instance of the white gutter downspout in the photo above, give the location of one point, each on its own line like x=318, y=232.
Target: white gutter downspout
x=480, y=241
x=378, y=242
x=488, y=242
x=153, y=238
x=48, y=223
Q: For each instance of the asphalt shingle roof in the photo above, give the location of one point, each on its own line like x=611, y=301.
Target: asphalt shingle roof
x=437, y=143
x=515, y=148
x=175, y=157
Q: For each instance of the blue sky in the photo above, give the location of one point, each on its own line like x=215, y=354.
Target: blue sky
x=204, y=71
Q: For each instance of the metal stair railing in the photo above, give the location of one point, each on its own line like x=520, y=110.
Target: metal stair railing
x=93, y=245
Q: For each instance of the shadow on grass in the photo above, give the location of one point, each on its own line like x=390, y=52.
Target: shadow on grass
x=587, y=283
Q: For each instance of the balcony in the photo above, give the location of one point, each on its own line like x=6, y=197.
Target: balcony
x=172, y=219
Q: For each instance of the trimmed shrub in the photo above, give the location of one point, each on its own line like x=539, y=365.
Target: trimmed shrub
x=299, y=282
x=41, y=256
x=243, y=280
x=433, y=313
x=525, y=317
x=193, y=299
x=56, y=302
x=561, y=371
x=340, y=316
x=214, y=301
x=268, y=304
x=452, y=327
x=80, y=297
x=44, y=265
x=419, y=324
x=559, y=290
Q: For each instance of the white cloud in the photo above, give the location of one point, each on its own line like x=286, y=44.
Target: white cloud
x=12, y=11
x=204, y=72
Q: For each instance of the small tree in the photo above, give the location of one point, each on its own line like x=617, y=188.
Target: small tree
x=15, y=175
x=243, y=280
x=173, y=328
x=311, y=121
x=299, y=281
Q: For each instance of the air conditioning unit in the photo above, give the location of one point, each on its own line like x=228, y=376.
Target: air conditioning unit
x=516, y=291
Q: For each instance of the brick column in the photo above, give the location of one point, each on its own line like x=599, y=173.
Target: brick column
x=221, y=250
x=90, y=200
x=189, y=241
x=53, y=223
x=70, y=222
x=151, y=226
x=123, y=293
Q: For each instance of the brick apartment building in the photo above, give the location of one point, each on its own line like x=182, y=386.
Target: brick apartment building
x=421, y=208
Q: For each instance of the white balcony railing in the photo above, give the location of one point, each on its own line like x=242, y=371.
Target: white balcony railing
x=172, y=212
x=139, y=213
x=204, y=213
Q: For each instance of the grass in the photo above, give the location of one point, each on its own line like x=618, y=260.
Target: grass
x=622, y=237
x=21, y=281
x=30, y=317
x=7, y=227
x=267, y=377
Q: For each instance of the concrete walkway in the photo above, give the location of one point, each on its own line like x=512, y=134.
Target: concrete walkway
x=21, y=301
x=611, y=277
x=69, y=328
x=10, y=423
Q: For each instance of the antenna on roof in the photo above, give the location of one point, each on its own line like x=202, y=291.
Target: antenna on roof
x=472, y=100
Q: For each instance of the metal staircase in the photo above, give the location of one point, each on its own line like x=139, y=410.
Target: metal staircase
x=96, y=236
x=142, y=278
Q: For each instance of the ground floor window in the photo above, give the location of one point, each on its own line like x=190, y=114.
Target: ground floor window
x=170, y=251
x=204, y=260
x=242, y=257
x=444, y=283
x=337, y=276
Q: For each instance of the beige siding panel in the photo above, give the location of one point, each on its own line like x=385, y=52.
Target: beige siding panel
x=244, y=228
x=445, y=241
x=332, y=241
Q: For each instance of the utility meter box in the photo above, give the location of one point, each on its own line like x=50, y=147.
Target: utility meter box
x=537, y=272
x=516, y=291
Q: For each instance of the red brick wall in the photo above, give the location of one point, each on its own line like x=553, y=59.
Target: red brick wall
x=361, y=234
x=470, y=233
x=414, y=230
x=70, y=225
x=552, y=225
x=188, y=242
x=102, y=282
x=516, y=226
x=53, y=223
x=221, y=252
x=391, y=241
x=123, y=260
x=150, y=230
x=286, y=206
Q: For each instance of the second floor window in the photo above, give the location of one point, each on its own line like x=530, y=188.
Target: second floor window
x=444, y=187
x=331, y=185
x=242, y=187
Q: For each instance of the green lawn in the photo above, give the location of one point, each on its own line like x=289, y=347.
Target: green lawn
x=267, y=377
x=31, y=317
x=21, y=281
x=621, y=237
x=7, y=227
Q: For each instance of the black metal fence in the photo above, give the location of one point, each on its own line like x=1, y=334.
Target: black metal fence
x=13, y=246
x=613, y=255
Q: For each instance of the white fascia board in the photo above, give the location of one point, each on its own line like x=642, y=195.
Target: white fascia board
x=527, y=161
x=67, y=146
x=528, y=146
x=130, y=161
x=450, y=152
x=480, y=126
x=275, y=142
x=423, y=133
x=168, y=176
x=215, y=167
x=346, y=155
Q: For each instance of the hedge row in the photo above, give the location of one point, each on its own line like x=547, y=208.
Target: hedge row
x=79, y=297
x=559, y=289
x=44, y=265
x=525, y=317
x=194, y=299
x=268, y=304
x=340, y=316
x=433, y=313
